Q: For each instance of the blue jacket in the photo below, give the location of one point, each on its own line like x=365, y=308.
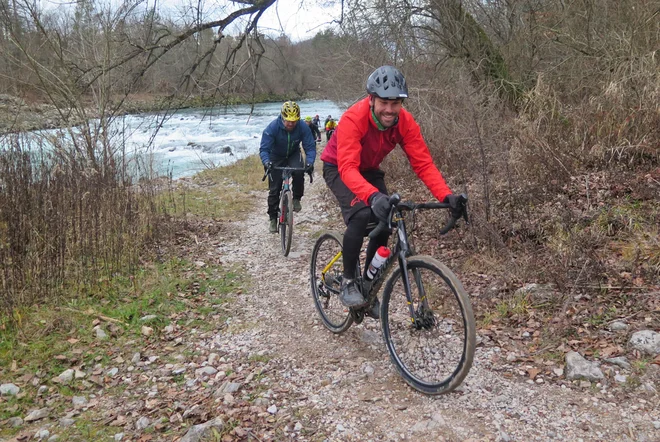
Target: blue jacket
x=277, y=143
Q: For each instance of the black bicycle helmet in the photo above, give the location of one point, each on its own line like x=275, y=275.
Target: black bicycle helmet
x=387, y=83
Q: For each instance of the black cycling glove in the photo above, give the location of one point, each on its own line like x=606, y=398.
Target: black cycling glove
x=267, y=166
x=380, y=205
x=309, y=168
x=456, y=203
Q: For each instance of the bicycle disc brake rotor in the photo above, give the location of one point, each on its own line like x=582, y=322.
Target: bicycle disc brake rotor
x=424, y=318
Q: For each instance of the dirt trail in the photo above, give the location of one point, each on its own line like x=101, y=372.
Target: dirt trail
x=342, y=388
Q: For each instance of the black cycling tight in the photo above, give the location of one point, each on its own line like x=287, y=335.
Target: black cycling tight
x=353, y=237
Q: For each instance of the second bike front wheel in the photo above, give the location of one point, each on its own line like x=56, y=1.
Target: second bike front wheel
x=432, y=348
x=286, y=221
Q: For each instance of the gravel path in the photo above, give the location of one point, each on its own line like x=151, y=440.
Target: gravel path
x=343, y=388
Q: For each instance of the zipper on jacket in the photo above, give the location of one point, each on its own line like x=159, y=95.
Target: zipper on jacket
x=288, y=144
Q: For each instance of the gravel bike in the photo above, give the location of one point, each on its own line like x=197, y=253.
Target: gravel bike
x=285, y=211
x=425, y=314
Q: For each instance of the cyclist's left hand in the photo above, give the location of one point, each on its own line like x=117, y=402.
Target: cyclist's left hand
x=309, y=168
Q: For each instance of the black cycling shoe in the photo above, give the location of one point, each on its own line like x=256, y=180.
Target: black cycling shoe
x=374, y=310
x=350, y=296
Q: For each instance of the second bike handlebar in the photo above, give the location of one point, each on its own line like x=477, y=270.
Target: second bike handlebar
x=396, y=204
x=291, y=169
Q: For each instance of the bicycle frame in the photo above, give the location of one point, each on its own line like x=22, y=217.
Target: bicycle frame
x=286, y=187
x=401, y=249
x=286, y=202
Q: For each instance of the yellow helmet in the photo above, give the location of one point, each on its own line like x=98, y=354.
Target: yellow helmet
x=308, y=118
x=291, y=111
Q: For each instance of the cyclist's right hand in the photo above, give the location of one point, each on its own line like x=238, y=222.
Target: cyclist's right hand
x=268, y=165
x=380, y=206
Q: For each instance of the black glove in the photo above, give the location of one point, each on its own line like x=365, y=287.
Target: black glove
x=267, y=166
x=456, y=204
x=380, y=205
x=309, y=168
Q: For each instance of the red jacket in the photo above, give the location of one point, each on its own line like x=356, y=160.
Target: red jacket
x=358, y=145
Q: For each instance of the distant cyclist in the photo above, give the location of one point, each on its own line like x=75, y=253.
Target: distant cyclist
x=367, y=133
x=316, y=133
x=330, y=128
x=280, y=146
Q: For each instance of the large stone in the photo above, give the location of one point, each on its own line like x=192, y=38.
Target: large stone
x=36, y=415
x=646, y=341
x=205, y=430
x=579, y=368
x=65, y=377
x=536, y=292
x=620, y=361
x=9, y=390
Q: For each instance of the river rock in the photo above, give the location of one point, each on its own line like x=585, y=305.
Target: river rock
x=579, y=368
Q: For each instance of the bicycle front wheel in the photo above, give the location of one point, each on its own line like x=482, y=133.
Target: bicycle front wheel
x=286, y=221
x=431, y=341
x=326, y=268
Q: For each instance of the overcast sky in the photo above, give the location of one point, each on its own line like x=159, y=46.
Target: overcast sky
x=300, y=20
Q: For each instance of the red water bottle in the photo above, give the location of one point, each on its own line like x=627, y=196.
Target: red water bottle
x=377, y=262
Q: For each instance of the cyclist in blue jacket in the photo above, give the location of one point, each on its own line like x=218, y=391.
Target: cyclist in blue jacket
x=280, y=146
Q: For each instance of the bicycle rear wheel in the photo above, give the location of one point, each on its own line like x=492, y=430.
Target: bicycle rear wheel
x=286, y=221
x=326, y=267
x=432, y=350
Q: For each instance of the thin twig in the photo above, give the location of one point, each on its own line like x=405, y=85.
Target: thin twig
x=93, y=313
x=626, y=317
x=609, y=287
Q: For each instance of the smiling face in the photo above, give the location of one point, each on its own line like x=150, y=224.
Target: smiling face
x=386, y=110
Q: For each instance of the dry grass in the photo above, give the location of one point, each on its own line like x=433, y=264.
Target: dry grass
x=65, y=223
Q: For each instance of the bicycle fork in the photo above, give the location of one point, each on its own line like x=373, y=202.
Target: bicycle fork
x=283, y=213
x=423, y=316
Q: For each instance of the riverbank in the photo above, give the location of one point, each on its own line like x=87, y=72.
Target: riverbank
x=19, y=115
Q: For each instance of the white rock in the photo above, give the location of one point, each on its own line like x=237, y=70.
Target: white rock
x=36, y=415
x=79, y=401
x=42, y=434
x=142, y=423
x=618, y=326
x=101, y=334
x=65, y=377
x=9, y=390
x=646, y=341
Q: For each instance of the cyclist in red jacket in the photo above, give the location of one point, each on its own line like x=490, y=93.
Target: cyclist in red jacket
x=366, y=134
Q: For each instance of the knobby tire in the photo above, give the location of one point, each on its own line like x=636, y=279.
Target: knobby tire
x=286, y=221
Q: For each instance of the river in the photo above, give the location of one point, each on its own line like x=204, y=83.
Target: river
x=188, y=140
x=194, y=139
